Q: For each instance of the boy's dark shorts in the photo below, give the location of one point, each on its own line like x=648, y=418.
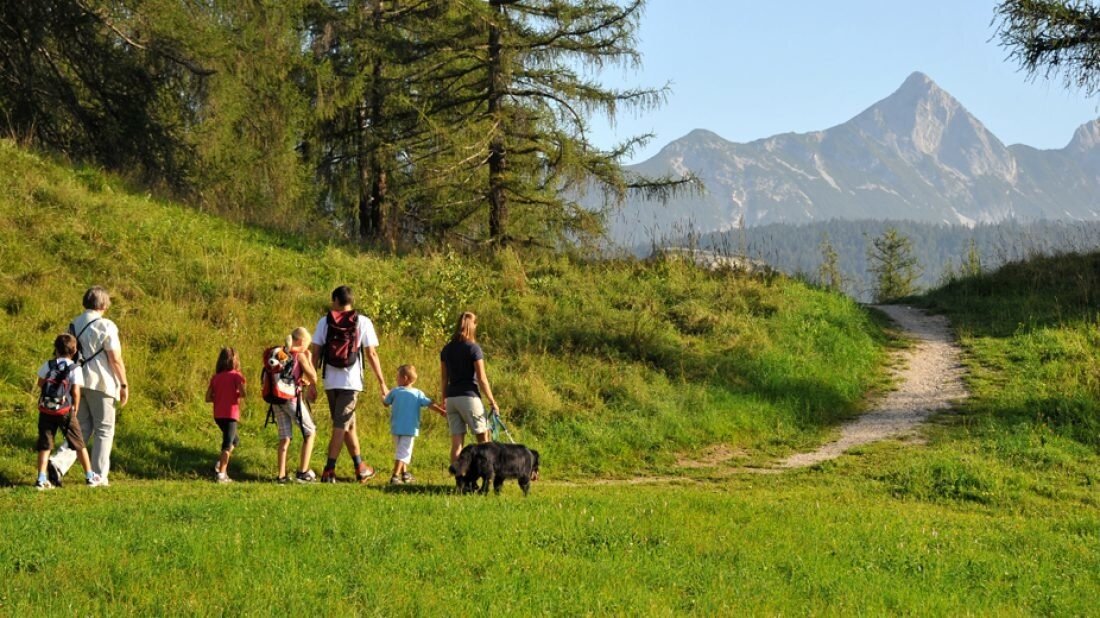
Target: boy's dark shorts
x=229, y=432
x=48, y=424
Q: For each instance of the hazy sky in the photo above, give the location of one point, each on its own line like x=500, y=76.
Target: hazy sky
x=748, y=69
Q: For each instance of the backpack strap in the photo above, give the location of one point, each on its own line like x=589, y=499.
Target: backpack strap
x=359, y=348
x=324, y=347
x=62, y=371
x=84, y=360
x=298, y=415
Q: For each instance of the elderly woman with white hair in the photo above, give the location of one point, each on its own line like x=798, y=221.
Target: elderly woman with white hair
x=105, y=387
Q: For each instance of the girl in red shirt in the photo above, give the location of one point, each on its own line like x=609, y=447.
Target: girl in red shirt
x=225, y=392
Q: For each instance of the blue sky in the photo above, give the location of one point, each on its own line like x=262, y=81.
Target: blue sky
x=748, y=69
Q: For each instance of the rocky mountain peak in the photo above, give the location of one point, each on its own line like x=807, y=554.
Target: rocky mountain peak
x=920, y=121
x=917, y=154
x=1086, y=137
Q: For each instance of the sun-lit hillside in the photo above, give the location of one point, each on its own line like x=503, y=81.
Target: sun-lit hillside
x=611, y=367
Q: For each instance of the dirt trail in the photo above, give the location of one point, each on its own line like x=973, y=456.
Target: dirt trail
x=929, y=380
x=929, y=376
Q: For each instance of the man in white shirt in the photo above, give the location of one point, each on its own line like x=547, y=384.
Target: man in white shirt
x=342, y=341
x=105, y=386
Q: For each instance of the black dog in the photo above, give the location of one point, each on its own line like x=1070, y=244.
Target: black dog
x=494, y=462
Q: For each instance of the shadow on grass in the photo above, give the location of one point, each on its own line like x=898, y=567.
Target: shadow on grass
x=21, y=441
x=416, y=489
x=817, y=402
x=1018, y=299
x=159, y=458
x=1022, y=296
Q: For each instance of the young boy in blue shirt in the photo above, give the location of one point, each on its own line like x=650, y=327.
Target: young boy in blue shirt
x=405, y=403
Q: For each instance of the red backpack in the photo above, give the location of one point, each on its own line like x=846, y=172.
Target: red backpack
x=279, y=377
x=342, y=339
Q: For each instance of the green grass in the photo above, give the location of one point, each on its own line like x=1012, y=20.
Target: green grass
x=1031, y=331
x=805, y=543
x=611, y=368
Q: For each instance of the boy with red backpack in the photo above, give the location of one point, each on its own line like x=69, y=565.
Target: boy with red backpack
x=342, y=342
x=59, y=383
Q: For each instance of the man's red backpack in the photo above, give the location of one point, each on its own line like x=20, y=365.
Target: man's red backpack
x=279, y=379
x=341, y=339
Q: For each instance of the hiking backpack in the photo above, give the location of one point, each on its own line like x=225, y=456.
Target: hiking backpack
x=279, y=377
x=56, y=398
x=341, y=340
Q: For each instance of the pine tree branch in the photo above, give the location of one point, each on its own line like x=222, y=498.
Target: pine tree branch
x=191, y=66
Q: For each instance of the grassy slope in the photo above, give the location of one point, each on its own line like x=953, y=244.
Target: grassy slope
x=1031, y=331
x=609, y=368
x=996, y=514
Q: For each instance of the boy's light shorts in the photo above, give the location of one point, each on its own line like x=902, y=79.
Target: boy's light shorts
x=463, y=412
x=286, y=419
x=403, y=448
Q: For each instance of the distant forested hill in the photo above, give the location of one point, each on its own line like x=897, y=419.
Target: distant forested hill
x=941, y=249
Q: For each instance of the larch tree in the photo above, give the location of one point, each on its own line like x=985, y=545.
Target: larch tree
x=384, y=70
x=536, y=96
x=828, y=272
x=893, y=266
x=73, y=80
x=1053, y=38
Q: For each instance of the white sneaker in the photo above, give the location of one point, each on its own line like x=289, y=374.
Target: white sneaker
x=42, y=485
x=96, y=481
x=223, y=478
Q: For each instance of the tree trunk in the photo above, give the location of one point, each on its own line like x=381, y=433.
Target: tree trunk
x=372, y=173
x=362, y=160
x=381, y=215
x=498, y=205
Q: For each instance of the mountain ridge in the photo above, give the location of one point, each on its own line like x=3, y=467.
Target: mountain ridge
x=917, y=154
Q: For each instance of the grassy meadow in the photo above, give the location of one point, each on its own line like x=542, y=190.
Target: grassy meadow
x=611, y=369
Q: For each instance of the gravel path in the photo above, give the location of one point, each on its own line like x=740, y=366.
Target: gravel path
x=930, y=380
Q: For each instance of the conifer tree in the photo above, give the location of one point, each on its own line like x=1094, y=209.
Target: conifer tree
x=73, y=80
x=392, y=119
x=828, y=273
x=536, y=99
x=1054, y=38
x=972, y=265
x=893, y=266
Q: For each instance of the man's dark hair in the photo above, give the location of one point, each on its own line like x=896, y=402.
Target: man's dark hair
x=342, y=296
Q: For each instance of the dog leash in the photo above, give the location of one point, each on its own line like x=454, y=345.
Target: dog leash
x=498, y=426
